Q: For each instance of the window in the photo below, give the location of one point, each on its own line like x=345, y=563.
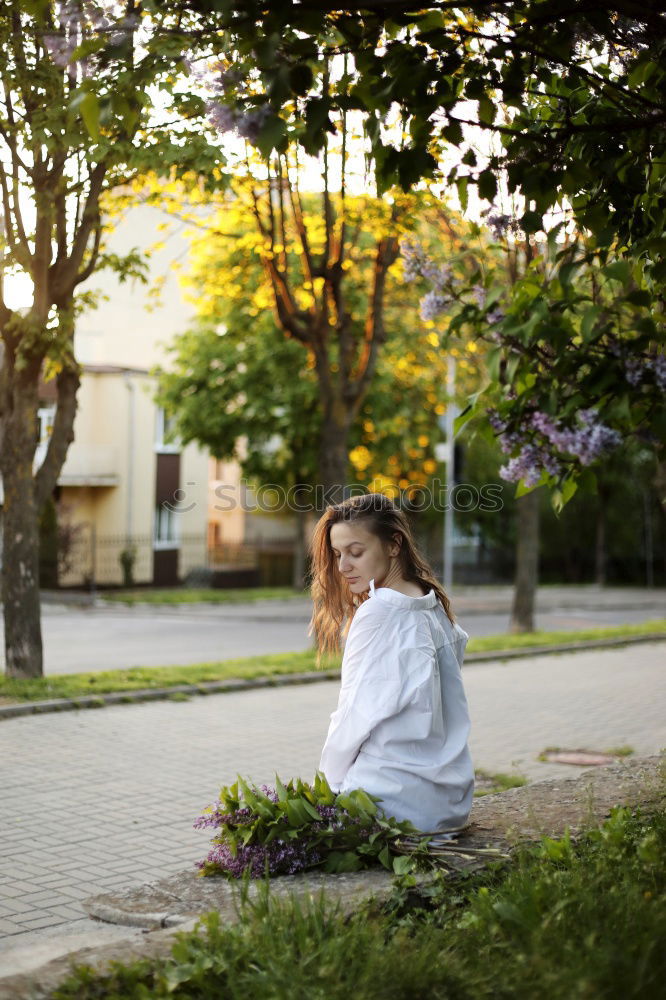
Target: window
x=165, y=432
x=166, y=534
x=45, y=418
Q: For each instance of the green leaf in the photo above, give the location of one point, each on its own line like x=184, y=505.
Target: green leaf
x=300, y=78
x=343, y=861
x=385, y=858
x=461, y=184
x=487, y=110
x=487, y=184
x=587, y=326
x=567, y=271
x=365, y=801
x=310, y=809
x=297, y=814
x=453, y=133
x=88, y=107
x=467, y=414
x=618, y=270
x=247, y=792
x=272, y=135
x=282, y=793
x=403, y=864
x=570, y=487
x=639, y=297
x=531, y=222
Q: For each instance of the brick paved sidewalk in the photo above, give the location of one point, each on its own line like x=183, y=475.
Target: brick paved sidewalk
x=100, y=799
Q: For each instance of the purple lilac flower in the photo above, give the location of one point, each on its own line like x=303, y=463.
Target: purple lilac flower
x=432, y=304
x=249, y=124
x=284, y=858
x=495, y=316
x=495, y=420
x=436, y=274
x=509, y=441
x=527, y=465
x=593, y=438
x=413, y=257
x=60, y=49
x=658, y=366
x=479, y=295
x=542, y=422
x=587, y=442
x=228, y=76
x=417, y=264
x=634, y=371
x=222, y=117
x=499, y=225
x=75, y=16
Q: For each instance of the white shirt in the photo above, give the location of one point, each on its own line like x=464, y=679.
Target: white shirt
x=401, y=727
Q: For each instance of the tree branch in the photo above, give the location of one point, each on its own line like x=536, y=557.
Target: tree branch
x=62, y=435
x=375, y=334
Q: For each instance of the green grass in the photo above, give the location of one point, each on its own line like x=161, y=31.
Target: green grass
x=488, y=783
x=563, y=920
x=526, y=640
x=207, y=595
x=141, y=678
x=621, y=751
x=268, y=665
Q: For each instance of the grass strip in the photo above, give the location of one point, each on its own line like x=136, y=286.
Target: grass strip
x=527, y=640
x=563, y=919
x=205, y=595
x=267, y=665
x=142, y=678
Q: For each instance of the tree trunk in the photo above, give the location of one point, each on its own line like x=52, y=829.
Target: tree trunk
x=333, y=460
x=660, y=478
x=20, y=564
x=298, y=581
x=527, y=563
x=26, y=493
x=600, y=543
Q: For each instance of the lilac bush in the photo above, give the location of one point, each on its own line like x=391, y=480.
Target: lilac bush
x=550, y=346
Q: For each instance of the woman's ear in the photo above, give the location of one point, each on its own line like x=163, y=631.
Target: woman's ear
x=396, y=545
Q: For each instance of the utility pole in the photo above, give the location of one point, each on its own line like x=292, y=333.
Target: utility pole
x=444, y=453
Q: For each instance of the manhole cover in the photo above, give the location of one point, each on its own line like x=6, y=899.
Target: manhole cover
x=582, y=758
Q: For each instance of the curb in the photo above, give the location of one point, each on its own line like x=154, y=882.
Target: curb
x=284, y=680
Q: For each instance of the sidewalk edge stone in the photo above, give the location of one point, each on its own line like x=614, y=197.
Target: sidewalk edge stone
x=19, y=709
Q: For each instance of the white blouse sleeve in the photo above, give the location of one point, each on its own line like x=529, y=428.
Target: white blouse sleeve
x=370, y=692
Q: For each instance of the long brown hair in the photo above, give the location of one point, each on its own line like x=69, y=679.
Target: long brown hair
x=334, y=603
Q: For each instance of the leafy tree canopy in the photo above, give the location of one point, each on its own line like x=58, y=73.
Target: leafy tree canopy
x=244, y=389
x=576, y=91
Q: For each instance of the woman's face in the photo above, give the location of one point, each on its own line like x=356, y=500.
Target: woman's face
x=360, y=555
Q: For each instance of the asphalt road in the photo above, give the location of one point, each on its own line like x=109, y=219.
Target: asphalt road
x=110, y=636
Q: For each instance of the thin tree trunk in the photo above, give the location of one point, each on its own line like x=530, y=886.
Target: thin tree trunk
x=20, y=528
x=298, y=581
x=660, y=478
x=600, y=554
x=527, y=563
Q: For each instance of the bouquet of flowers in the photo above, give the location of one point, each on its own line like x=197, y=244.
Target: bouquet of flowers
x=296, y=826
